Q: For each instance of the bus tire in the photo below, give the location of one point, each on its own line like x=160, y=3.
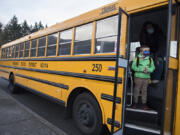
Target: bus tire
x=87, y=114
x=12, y=87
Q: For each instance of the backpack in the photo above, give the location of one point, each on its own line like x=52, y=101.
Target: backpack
x=137, y=63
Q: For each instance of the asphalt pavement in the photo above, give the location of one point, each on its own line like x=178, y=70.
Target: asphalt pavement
x=29, y=114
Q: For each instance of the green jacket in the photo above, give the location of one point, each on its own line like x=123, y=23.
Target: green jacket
x=139, y=70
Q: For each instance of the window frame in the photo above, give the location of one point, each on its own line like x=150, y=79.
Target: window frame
x=47, y=39
x=71, y=42
x=10, y=50
x=34, y=48
x=22, y=49
x=45, y=46
x=13, y=51
x=101, y=53
x=3, y=55
x=27, y=49
x=17, y=46
x=83, y=40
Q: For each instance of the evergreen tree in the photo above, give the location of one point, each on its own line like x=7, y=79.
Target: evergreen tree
x=35, y=27
x=25, y=29
x=40, y=26
x=1, y=27
x=1, y=32
x=12, y=30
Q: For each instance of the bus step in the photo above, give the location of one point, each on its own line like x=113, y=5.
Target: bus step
x=139, y=115
x=133, y=129
x=129, y=94
x=142, y=111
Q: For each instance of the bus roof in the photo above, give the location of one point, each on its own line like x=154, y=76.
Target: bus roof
x=102, y=12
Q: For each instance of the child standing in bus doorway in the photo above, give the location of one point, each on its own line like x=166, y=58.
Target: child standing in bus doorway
x=143, y=66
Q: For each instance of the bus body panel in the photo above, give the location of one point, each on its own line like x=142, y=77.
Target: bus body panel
x=34, y=80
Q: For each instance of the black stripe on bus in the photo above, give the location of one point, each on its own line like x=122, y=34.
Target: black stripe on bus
x=42, y=94
x=116, y=123
x=110, y=98
x=4, y=71
x=86, y=58
x=60, y=85
x=79, y=75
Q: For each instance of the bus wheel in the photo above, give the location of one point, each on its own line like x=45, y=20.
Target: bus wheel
x=12, y=87
x=87, y=114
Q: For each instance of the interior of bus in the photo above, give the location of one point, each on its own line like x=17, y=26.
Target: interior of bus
x=150, y=120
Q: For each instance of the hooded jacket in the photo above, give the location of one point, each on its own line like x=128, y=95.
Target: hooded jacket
x=143, y=63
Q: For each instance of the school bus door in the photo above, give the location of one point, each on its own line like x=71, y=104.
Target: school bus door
x=171, y=71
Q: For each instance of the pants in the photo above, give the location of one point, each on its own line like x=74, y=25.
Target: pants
x=141, y=84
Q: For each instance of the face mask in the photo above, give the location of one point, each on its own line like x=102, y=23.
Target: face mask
x=150, y=30
x=146, y=53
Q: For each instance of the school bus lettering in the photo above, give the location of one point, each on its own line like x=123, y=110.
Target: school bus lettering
x=108, y=9
x=32, y=64
x=23, y=63
x=97, y=67
x=15, y=63
x=44, y=65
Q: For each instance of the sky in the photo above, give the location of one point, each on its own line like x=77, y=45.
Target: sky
x=47, y=11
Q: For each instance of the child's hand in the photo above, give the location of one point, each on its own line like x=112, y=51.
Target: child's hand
x=145, y=70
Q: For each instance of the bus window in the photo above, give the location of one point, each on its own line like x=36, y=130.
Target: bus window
x=6, y=52
x=3, y=53
x=13, y=52
x=21, y=50
x=83, y=36
x=51, y=44
x=65, y=42
x=17, y=51
x=33, y=47
x=106, y=35
x=10, y=52
x=26, y=52
x=41, y=46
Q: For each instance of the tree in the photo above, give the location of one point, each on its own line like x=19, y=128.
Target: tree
x=35, y=27
x=40, y=26
x=1, y=32
x=25, y=29
x=1, y=25
x=12, y=30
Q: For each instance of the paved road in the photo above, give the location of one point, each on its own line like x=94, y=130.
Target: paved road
x=16, y=119
x=50, y=111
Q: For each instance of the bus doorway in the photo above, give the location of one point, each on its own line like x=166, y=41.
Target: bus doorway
x=151, y=28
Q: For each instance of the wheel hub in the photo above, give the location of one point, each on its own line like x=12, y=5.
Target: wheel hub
x=86, y=115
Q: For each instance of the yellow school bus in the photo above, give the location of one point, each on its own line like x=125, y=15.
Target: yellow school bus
x=84, y=63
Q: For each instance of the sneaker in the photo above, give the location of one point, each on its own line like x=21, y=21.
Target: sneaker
x=145, y=107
